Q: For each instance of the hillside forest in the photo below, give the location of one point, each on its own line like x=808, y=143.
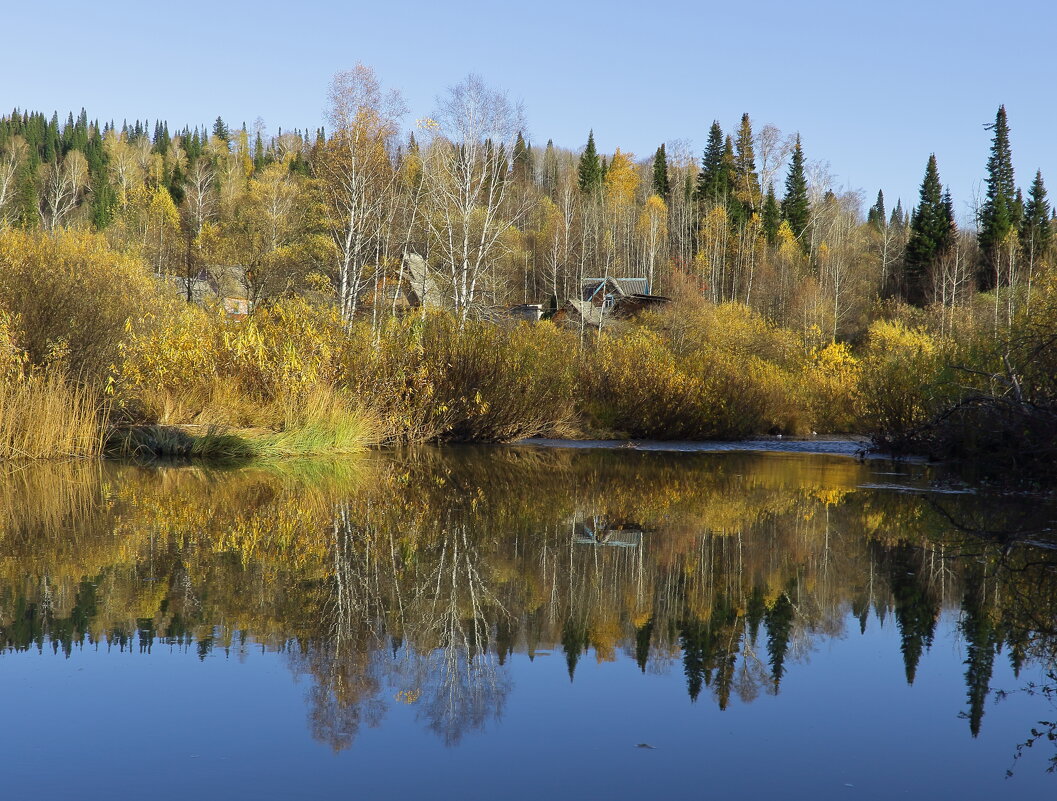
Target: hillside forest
x=229, y=278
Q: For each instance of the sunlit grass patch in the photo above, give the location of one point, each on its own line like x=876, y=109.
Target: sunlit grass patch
x=46, y=416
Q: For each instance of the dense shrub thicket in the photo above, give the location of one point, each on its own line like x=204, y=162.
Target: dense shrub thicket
x=88, y=343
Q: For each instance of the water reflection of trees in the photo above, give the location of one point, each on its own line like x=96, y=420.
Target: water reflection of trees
x=413, y=577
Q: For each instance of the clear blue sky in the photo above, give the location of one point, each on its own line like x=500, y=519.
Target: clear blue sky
x=873, y=88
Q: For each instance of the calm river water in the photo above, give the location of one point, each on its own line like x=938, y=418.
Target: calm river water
x=524, y=622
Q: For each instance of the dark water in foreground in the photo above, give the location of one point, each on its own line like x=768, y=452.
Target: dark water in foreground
x=514, y=623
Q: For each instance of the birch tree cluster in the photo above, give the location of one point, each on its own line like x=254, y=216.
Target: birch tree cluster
x=339, y=213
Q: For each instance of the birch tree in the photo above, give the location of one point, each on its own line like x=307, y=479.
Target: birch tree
x=12, y=155
x=470, y=203
x=358, y=177
x=63, y=184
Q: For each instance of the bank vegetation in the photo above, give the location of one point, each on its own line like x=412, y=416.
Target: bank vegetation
x=227, y=292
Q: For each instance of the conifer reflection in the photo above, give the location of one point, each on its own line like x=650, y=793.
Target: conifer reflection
x=415, y=577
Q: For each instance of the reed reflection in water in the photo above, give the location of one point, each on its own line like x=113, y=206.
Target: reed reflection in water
x=412, y=578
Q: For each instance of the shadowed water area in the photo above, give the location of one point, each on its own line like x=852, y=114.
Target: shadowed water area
x=524, y=622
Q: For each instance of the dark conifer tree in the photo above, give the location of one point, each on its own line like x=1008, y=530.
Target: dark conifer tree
x=522, y=160
x=898, y=218
x=574, y=643
x=746, y=181
x=643, y=636
x=876, y=216
x=772, y=216
x=796, y=208
x=692, y=638
x=779, y=621
x=549, y=170
x=103, y=202
x=998, y=214
x=710, y=182
x=915, y=611
x=1035, y=232
x=221, y=130
x=930, y=235
x=590, y=170
x=52, y=147
x=981, y=646
x=755, y=610
x=259, y=155
x=661, y=186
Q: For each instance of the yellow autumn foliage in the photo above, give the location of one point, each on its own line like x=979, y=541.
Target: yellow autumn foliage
x=621, y=179
x=832, y=376
x=71, y=297
x=899, y=371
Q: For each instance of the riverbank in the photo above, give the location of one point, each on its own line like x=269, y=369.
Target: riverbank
x=851, y=446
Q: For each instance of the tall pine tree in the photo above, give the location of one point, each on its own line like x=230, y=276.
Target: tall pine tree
x=711, y=181
x=590, y=169
x=796, y=208
x=931, y=234
x=661, y=186
x=522, y=160
x=898, y=218
x=876, y=215
x=772, y=216
x=998, y=214
x=746, y=181
x=1035, y=232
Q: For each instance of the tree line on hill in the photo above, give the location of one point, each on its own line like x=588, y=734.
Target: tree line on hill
x=503, y=221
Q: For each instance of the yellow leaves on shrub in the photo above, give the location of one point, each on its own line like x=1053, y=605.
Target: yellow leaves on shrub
x=439, y=378
x=12, y=357
x=898, y=376
x=195, y=354
x=69, y=290
x=832, y=387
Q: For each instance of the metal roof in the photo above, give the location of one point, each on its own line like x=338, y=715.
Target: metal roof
x=625, y=286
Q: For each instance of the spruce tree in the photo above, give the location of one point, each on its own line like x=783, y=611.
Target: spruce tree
x=661, y=186
x=103, y=202
x=876, y=215
x=772, y=216
x=779, y=621
x=746, y=181
x=1035, y=232
x=258, y=152
x=221, y=130
x=796, y=209
x=998, y=214
x=590, y=169
x=710, y=183
x=898, y=218
x=522, y=159
x=931, y=234
x=549, y=170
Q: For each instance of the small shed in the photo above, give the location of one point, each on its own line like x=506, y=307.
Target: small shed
x=610, y=296
x=530, y=312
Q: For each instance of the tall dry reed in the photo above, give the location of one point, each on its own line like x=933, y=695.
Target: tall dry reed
x=45, y=416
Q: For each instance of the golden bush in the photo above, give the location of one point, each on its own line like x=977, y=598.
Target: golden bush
x=73, y=297
x=899, y=377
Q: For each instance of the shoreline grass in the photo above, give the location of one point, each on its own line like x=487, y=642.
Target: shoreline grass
x=320, y=425
x=46, y=416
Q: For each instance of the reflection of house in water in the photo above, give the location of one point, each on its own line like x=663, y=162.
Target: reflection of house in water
x=601, y=532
